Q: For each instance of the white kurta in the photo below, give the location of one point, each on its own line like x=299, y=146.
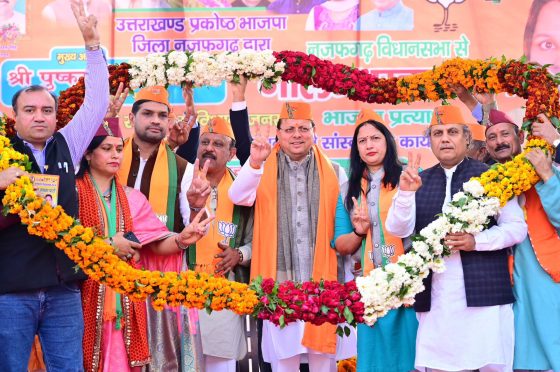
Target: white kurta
x=452, y=336
x=283, y=343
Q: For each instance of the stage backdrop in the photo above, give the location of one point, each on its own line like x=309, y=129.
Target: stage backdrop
x=40, y=44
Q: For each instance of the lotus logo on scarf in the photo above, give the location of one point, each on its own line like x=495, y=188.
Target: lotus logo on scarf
x=227, y=230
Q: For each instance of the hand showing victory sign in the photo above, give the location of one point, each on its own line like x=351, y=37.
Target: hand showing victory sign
x=200, y=187
x=87, y=24
x=410, y=180
x=360, y=218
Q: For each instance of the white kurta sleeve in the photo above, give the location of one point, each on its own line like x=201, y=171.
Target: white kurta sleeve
x=510, y=230
x=183, y=202
x=243, y=190
x=342, y=177
x=402, y=214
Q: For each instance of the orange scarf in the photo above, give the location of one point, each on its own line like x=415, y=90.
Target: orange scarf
x=543, y=235
x=207, y=247
x=160, y=183
x=265, y=237
x=135, y=313
x=388, y=241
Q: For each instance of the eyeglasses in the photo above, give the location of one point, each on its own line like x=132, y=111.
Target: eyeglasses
x=292, y=130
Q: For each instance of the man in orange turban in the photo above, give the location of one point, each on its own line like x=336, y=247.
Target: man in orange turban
x=294, y=188
x=468, y=306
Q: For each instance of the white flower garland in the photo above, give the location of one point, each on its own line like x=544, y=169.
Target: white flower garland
x=204, y=69
x=397, y=284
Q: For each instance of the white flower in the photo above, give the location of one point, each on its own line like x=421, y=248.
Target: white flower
x=474, y=188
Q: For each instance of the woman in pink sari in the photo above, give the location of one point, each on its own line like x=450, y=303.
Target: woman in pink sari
x=115, y=332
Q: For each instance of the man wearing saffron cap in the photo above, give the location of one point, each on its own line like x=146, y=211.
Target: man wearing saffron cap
x=294, y=189
x=536, y=274
x=465, y=313
x=151, y=166
x=477, y=148
x=225, y=249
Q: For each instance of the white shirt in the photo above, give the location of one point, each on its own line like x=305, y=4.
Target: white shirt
x=185, y=183
x=452, y=336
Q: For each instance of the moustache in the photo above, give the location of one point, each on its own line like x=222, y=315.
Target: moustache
x=502, y=147
x=208, y=155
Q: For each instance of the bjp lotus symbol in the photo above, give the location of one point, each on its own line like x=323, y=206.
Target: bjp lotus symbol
x=227, y=230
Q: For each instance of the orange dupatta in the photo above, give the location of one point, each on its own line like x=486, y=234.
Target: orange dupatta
x=543, y=235
x=265, y=237
x=207, y=246
x=160, y=183
x=388, y=241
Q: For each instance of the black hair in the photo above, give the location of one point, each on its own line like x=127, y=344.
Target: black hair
x=95, y=143
x=391, y=164
x=33, y=88
x=531, y=24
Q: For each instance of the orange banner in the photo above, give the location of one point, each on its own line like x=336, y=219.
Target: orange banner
x=40, y=44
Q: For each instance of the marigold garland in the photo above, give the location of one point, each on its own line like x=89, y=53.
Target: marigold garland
x=504, y=181
x=97, y=259
x=316, y=302
x=527, y=80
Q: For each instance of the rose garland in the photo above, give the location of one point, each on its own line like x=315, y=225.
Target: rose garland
x=527, y=80
x=385, y=288
x=314, y=302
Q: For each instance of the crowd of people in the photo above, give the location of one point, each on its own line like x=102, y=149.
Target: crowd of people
x=165, y=199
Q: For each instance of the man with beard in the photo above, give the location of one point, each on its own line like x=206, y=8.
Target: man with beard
x=294, y=193
x=536, y=274
x=225, y=247
x=151, y=166
x=465, y=314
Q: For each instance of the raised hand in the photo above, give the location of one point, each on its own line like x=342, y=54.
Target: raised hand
x=195, y=230
x=87, y=24
x=198, y=192
x=485, y=98
x=410, y=180
x=541, y=162
x=260, y=150
x=360, y=218
x=229, y=259
x=238, y=89
x=544, y=128
x=179, y=130
x=116, y=102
